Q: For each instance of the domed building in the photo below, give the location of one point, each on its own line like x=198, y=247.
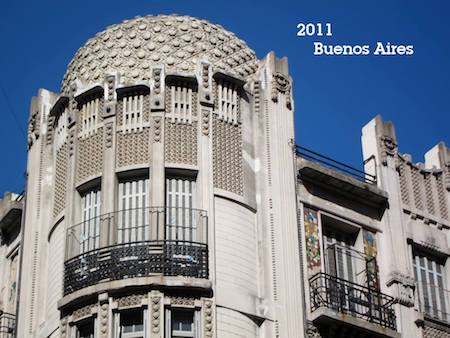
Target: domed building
x=151, y=208
x=166, y=197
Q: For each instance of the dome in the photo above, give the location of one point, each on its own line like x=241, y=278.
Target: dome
x=133, y=46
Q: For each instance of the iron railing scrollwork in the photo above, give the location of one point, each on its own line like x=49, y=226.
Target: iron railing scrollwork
x=141, y=242
x=352, y=299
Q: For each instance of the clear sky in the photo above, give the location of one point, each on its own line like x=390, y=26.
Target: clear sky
x=334, y=96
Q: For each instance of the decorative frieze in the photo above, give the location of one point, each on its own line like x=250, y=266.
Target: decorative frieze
x=157, y=128
x=108, y=134
x=205, y=122
x=185, y=301
x=84, y=311
x=130, y=300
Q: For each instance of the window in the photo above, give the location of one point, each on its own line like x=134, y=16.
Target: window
x=133, y=213
x=227, y=101
x=181, y=93
x=133, y=112
x=89, y=117
x=130, y=324
x=429, y=274
x=90, y=220
x=181, y=218
x=182, y=323
x=339, y=254
x=85, y=328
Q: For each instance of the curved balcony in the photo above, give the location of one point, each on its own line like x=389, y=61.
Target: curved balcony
x=136, y=243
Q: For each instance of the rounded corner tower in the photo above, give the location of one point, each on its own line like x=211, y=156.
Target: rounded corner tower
x=161, y=190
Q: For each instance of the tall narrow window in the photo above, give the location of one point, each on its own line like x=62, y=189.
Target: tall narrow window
x=181, y=93
x=130, y=324
x=133, y=112
x=429, y=274
x=339, y=260
x=182, y=323
x=90, y=226
x=89, y=116
x=133, y=215
x=227, y=101
x=181, y=218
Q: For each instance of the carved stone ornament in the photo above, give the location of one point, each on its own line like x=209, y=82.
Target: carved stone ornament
x=130, y=300
x=447, y=176
x=281, y=84
x=403, y=288
x=312, y=331
x=104, y=309
x=155, y=304
x=33, y=128
x=388, y=148
x=157, y=129
x=182, y=301
x=63, y=327
x=205, y=122
x=85, y=311
x=109, y=135
x=208, y=318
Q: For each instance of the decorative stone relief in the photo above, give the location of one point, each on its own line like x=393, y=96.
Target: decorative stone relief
x=257, y=97
x=133, y=46
x=205, y=122
x=156, y=313
x=71, y=142
x=181, y=143
x=403, y=171
x=130, y=300
x=312, y=240
x=182, y=301
x=227, y=156
x=435, y=332
x=139, y=144
x=62, y=158
x=417, y=184
x=108, y=135
x=104, y=314
x=33, y=128
x=63, y=328
x=50, y=124
x=208, y=318
x=157, y=128
x=84, y=311
x=388, y=147
x=312, y=331
x=281, y=84
x=429, y=193
x=403, y=288
x=90, y=155
x=442, y=197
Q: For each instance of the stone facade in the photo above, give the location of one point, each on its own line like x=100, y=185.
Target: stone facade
x=164, y=187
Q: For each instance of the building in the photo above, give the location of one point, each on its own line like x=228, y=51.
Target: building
x=166, y=197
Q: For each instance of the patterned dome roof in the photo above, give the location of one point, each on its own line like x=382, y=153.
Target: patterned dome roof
x=133, y=46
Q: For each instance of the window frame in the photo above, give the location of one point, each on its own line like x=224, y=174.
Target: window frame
x=196, y=322
x=118, y=325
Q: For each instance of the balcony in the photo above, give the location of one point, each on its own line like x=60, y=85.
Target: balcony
x=7, y=325
x=341, y=179
x=351, y=300
x=137, y=243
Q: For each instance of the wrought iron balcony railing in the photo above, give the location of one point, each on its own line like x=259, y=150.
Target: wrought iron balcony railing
x=336, y=165
x=7, y=325
x=136, y=243
x=352, y=299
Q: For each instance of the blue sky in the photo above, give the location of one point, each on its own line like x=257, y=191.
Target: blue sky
x=334, y=96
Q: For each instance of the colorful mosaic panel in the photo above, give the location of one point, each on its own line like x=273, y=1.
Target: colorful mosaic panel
x=312, y=240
